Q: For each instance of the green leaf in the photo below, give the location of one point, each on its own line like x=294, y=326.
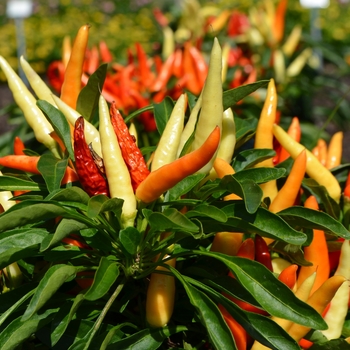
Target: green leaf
x=245, y=130
x=72, y=194
x=231, y=97
x=48, y=286
x=100, y=204
x=170, y=219
x=19, y=244
x=63, y=318
x=64, y=228
x=293, y=252
x=208, y=211
x=162, y=112
x=209, y=315
x=90, y=93
x=184, y=186
x=250, y=157
x=309, y=218
x=59, y=124
x=274, y=296
x=150, y=339
x=28, y=212
x=18, y=330
x=130, y=238
x=52, y=170
x=10, y=183
x=334, y=344
x=106, y=274
x=260, y=175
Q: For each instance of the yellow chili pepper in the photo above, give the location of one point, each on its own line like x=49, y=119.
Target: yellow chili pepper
x=27, y=103
x=228, y=136
x=313, y=167
x=335, y=150
x=117, y=173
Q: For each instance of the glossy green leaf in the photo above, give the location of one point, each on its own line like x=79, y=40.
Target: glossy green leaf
x=52, y=170
x=162, y=112
x=260, y=175
x=100, y=204
x=97, y=239
x=72, y=194
x=208, y=211
x=231, y=97
x=150, y=339
x=260, y=327
x=309, y=218
x=10, y=183
x=64, y=253
x=209, y=315
x=274, y=296
x=170, y=219
x=245, y=130
x=105, y=276
x=19, y=244
x=250, y=157
x=115, y=334
x=130, y=238
x=53, y=279
x=63, y=318
x=19, y=330
x=262, y=222
x=64, y=228
x=24, y=214
x=184, y=186
x=292, y=252
x=90, y=93
x=59, y=124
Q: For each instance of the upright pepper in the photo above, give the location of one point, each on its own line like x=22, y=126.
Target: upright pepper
x=131, y=153
x=228, y=137
x=90, y=176
x=313, y=167
x=119, y=181
x=27, y=103
x=72, y=78
x=335, y=150
x=264, y=135
x=211, y=112
x=295, y=132
x=169, y=175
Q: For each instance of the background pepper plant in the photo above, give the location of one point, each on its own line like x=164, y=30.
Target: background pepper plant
x=89, y=272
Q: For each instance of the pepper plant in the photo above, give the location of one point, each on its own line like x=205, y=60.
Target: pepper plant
x=94, y=260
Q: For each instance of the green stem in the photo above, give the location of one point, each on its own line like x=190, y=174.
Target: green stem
x=136, y=113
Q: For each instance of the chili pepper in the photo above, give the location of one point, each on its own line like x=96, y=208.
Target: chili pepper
x=279, y=66
x=117, y=173
x=262, y=253
x=164, y=75
x=247, y=249
x=178, y=66
x=189, y=69
x=169, y=141
x=160, y=296
x=289, y=276
x=290, y=44
x=238, y=332
x=293, y=131
x=200, y=66
x=228, y=137
x=144, y=69
x=322, y=151
x=66, y=50
x=335, y=148
x=55, y=74
x=106, y=55
x=190, y=125
x=313, y=167
x=336, y=314
x=298, y=64
x=131, y=153
x=280, y=20
x=91, y=61
x=168, y=175
x=72, y=78
x=92, y=135
x=18, y=146
x=91, y=178
x=168, y=46
x=227, y=243
x=212, y=108
x=279, y=264
x=318, y=300
x=264, y=135
x=287, y=195
x=40, y=88
x=315, y=253
x=27, y=103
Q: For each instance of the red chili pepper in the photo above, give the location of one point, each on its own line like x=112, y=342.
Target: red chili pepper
x=18, y=146
x=131, y=153
x=247, y=249
x=164, y=74
x=89, y=173
x=55, y=75
x=262, y=253
x=289, y=275
x=145, y=73
x=106, y=55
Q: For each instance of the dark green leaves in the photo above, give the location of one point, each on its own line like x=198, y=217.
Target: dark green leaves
x=162, y=112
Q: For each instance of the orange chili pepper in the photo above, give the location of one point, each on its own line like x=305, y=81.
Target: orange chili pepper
x=18, y=146
x=335, y=148
x=192, y=83
x=72, y=78
x=227, y=243
x=289, y=275
x=280, y=20
x=316, y=253
x=164, y=74
x=295, y=132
